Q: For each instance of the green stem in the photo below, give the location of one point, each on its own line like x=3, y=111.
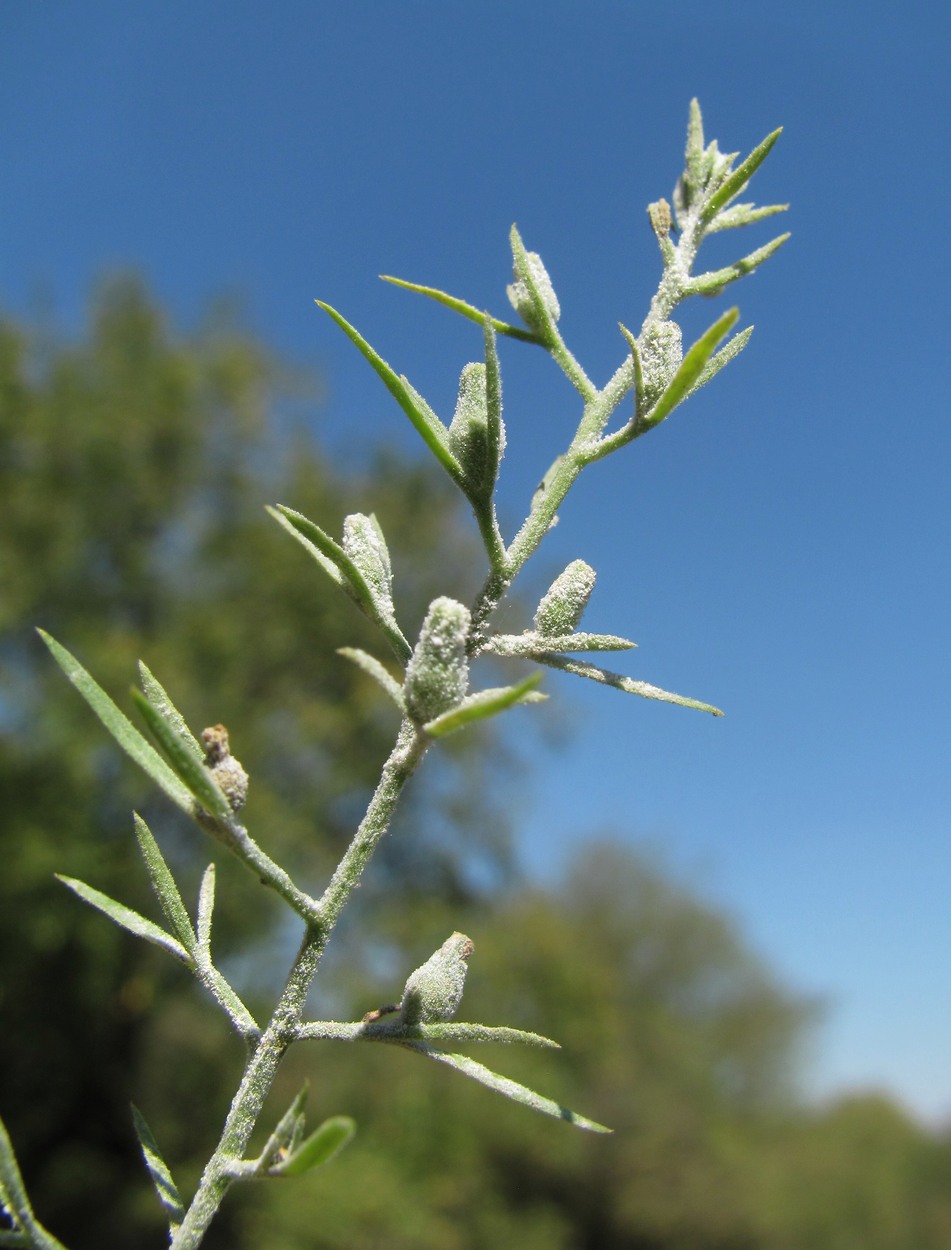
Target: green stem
x=224, y=1166
x=255, y=1086
x=410, y=748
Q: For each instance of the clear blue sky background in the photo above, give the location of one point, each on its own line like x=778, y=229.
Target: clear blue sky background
x=780, y=547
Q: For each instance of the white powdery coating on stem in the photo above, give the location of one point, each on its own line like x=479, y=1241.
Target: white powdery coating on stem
x=434, y=991
x=437, y=675
x=563, y=605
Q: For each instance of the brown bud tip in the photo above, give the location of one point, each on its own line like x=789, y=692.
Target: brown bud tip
x=216, y=744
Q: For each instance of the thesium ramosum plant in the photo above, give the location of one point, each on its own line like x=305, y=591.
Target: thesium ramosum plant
x=430, y=684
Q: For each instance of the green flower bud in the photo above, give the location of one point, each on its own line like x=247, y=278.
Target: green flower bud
x=437, y=675
x=364, y=543
x=661, y=353
x=563, y=605
x=468, y=432
x=434, y=991
x=522, y=299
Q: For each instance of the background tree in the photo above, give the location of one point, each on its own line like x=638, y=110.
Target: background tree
x=134, y=466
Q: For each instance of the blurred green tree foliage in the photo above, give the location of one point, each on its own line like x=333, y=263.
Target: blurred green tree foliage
x=134, y=466
x=673, y=1033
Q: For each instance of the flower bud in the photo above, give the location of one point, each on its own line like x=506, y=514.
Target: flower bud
x=434, y=991
x=563, y=605
x=661, y=353
x=437, y=675
x=524, y=301
x=364, y=543
x=231, y=778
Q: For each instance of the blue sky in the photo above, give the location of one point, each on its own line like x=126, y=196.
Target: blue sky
x=780, y=547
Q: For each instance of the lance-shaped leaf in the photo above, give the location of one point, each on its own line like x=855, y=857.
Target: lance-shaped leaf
x=206, y=909
x=466, y=310
x=126, y=918
x=385, y=1026
x=532, y=294
x=191, y=771
x=165, y=1186
x=713, y=282
x=317, y=1149
x=503, y=1085
x=743, y=215
x=690, y=369
x=532, y=645
x=163, y=884
x=737, y=180
x=483, y=704
x=158, y=697
x=432, y=431
x=205, y=970
x=722, y=358
x=285, y=1137
x=376, y=670
x=121, y=728
x=646, y=691
x=29, y=1232
x=338, y=564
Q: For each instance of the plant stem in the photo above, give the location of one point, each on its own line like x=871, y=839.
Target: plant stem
x=411, y=746
x=255, y=1086
x=223, y=1167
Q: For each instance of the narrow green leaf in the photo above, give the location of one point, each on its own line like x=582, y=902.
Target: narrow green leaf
x=12, y=1189
x=192, y=772
x=483, y=704
x=206, y=907
x=743, y=215
x=158, y=697
x=493, y=394
x=721, y=358
x=319, y=1148
x=690, y=368
x=504, y=1085
x=715, y=280
x=127, y=918
x=740, y=176
x=582, y=669
x=426, y=423
x=695, y=145
x=288, y=1128
x=638, y=369
x=329, y=555
x=31, y=1234
x=337, y=563
x=121, y=728
x=466, y=310
x=376, y=670
x=165, y=1187
x=163, y=884
x=532, y=645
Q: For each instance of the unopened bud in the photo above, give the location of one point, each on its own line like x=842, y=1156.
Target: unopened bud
x=231, y=778
x=522, y=299
x=434, y=991
x=563, y=605
x=437, y=675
